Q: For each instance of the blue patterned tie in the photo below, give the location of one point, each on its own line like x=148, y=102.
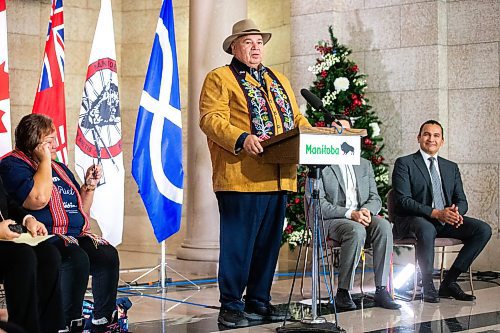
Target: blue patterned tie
x=437, y=191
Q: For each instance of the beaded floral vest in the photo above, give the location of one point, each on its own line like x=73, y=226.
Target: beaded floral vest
x=261, y=120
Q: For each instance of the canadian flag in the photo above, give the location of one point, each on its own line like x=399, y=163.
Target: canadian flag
x=5, y=138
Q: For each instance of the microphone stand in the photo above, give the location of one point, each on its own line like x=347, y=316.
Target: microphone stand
x=315, y=323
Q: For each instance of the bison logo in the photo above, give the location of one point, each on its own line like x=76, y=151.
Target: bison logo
x=346, y=149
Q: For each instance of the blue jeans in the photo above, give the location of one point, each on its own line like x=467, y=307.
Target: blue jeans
x=250, y=237
x=78, y=261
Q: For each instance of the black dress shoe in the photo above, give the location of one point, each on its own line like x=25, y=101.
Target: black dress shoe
x=430, y=293
x=263, y=312
x=384, y=300
x=454, y=290
x=343, y=300
x=232, y=318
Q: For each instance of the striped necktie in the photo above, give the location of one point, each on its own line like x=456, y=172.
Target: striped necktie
x=437, y=191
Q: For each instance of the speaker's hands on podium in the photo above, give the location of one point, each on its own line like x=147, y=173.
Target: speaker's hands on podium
x=252, y=145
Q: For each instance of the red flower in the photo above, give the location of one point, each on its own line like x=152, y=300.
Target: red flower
x=319, y=124
x=319, y=84
x=297, y=200
x=323, y=49
x=354, y=97
x=368, y=142
x=377, y=160
x=354, y=68
x=324, y=74
x=289, y=229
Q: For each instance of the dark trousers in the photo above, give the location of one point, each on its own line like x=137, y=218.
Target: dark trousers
x=78, y=261
x=251, y=225
x=474, y=234
x=32, y=286
x=11, y=328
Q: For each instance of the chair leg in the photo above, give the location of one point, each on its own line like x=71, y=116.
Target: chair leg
x=470, y=281
x=391, y=276
x=441, y=271
x=304, y=273
x=332, y=268
x=415, y=275
x=362, y=271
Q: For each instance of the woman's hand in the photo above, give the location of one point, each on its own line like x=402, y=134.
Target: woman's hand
x=93, y=175
x=42, y=152
x=5, y=232
x=35, y=227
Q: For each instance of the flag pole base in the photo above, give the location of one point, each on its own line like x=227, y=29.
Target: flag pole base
x=325, y=327
x=162, y=274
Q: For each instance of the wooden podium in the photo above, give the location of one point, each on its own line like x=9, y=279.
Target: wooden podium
x=313, y=146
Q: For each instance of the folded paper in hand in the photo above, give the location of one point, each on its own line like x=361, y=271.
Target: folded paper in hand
x=26, y=238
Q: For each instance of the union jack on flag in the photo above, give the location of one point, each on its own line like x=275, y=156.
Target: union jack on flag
x=49, y=99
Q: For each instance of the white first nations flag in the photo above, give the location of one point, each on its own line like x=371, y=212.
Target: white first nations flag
x=5, y=136
x=99, y=135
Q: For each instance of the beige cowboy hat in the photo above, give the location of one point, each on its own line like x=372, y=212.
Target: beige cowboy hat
x=243, y=28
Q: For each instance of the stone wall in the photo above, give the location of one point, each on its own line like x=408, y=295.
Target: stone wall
x=425, y=59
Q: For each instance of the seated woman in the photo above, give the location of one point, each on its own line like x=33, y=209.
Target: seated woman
x=30, y=274
x=50, y=192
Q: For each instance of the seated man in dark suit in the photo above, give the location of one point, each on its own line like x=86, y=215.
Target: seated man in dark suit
x=430, y=203
x=349, y=205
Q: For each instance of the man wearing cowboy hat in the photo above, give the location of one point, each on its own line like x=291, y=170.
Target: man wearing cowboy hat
x=242, y=104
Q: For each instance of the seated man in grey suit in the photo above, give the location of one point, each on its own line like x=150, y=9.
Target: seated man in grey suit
x=350, y=204
x=430, y=203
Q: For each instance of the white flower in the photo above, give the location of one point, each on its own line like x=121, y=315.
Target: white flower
x=302, y=109
x=375, y=129
x=359, y=82
x=324, y=65
x=341, y=83
x=285, y=223
x=297, y=237
x=382, y=178
x=329, y=97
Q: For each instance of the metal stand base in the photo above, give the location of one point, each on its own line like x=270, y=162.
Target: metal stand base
x=162, y=275
x=310, y=327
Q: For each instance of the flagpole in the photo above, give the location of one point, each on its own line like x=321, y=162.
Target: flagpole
x=163, y=265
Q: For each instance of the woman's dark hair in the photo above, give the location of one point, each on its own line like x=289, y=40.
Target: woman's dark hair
x=31, y=130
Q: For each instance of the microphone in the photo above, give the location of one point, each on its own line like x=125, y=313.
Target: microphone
x=317, y=104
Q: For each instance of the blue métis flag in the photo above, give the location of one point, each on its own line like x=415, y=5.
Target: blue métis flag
x=157, y=154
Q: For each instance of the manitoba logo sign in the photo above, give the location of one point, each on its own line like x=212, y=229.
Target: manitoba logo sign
x=329, y=149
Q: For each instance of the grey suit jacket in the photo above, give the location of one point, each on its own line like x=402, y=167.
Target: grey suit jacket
x=332, y=190
x=413, y=188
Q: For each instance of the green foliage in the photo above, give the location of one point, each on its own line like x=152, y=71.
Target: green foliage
x=341, y=87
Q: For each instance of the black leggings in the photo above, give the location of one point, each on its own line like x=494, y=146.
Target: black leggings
x=78, y=261
x=31, y=282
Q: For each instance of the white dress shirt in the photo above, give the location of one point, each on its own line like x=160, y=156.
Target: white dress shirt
x=351, y=195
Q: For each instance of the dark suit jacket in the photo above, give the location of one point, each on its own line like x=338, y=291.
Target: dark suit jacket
x=332, y=190
x=413, y=188
x=10, y=208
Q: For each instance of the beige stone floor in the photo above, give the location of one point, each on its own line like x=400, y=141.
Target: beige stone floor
x=182, y=305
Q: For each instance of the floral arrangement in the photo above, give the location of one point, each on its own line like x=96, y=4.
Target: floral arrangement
x=341, y=88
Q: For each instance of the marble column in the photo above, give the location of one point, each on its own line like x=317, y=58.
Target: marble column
x=210, y=22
